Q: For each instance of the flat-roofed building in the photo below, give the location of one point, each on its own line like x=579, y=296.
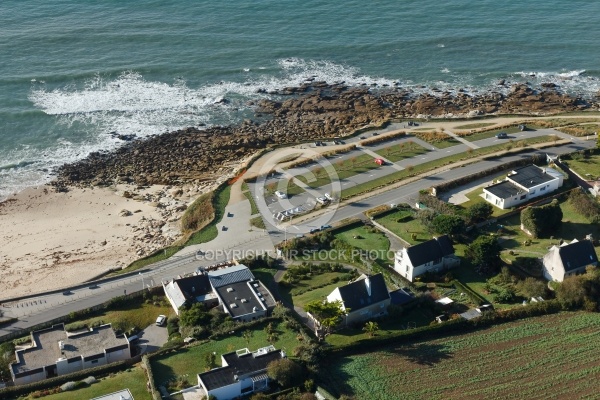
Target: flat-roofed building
x=522, y=185
x=55, y=352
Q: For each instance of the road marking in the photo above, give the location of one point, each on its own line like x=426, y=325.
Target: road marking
x=448, y=151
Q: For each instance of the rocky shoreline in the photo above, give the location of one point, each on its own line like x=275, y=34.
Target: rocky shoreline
x=314, y=110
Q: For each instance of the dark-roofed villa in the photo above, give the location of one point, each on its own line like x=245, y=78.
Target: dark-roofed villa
x=522, y=185
x=433, y=255
x=364, y=299
x=569, y=259
x=243, y=372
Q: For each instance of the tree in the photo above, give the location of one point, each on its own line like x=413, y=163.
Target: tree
x=484, y=253
x=479, y=212
x=448, y=224
x=572, y=291
x=285, y=372
x=327, y=313
x=371, y=327
x=542, y=220
x=194, y=315
x=247, y=335
x=531, y=287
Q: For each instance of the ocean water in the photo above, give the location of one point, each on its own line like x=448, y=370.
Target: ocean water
x=72, y=71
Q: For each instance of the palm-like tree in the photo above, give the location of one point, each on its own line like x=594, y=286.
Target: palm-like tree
x=371, y=327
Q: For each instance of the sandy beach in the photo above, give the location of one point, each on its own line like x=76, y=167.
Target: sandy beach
x=52, y=240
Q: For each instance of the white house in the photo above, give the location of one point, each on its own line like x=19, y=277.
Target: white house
x=522, y=185
x=569, y=259
x=432, y=255
x=365, y=298
x=242, y=373
x=55, y=352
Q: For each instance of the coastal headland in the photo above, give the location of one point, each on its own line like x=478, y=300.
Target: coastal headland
x=107, y=210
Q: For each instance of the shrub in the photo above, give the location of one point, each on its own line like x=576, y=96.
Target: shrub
x=585, y=205
x=543, y=219
x=68, y=386
x=199, y=213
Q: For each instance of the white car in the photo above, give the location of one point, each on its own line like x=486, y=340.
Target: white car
x=160, y=321
x=322, y=200
x=281, y=195
x=328, y=197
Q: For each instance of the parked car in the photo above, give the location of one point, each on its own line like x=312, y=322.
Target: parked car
x=314, y=230
x=323, y=227
x=363, y=137
x=322, y=200
x=160, y=321
x=502, y=135
x=281, y=195
x=375, y=134
x=328, y=197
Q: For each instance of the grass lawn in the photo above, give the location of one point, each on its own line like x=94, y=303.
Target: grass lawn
x=138, y=315
x=442, y=144
x=475, y=198
x=210, y=232
x=588, y=167
x=475, y=125
x=253, y=207
x=510, y=360
x=345, y=168
x=406, y=226
x=365, y=238
x=133, y=379
x=491, y=133
x=190, y=361
x=573, y=226
x=317, y=287
x=581, y=129
x=413, y=318
x=258, y=222
x=398, y=152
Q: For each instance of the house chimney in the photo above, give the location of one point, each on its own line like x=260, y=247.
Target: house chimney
x=368, y=285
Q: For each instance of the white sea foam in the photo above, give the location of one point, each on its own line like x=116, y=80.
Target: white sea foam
x=130, y=104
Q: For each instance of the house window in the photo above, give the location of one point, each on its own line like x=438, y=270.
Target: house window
x=523, y=197
x=94, y=361
x=542, y=189
x=532, y=192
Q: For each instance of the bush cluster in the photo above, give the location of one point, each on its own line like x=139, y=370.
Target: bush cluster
x=543, y=219
x=585, y=205
x=380, y=139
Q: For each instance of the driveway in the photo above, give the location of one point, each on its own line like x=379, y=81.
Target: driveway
x=152, y=338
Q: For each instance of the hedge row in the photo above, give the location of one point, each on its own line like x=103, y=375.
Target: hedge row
x=446, y=186
x=455, y=326
x=382, y=138
x=475, y=297
x=150, y=376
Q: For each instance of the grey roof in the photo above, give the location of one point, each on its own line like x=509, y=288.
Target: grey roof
x=239, y=365
x=504, y=190
x=577, y=255
x=188, y=289
x=356, y=296
x=471, y=314
x=243, y=296
x=430, y=250
x=47, y=350
x=399, y=297
x=229, y=275
x=530, y=176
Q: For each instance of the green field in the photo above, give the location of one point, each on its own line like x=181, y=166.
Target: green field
x=475, y=125
x=317, y=287
x=587, y=167
x=403, y=223
x=191, y=360
x=491, y=133
x=401, y=151
x=133, y=379
x=554, y=356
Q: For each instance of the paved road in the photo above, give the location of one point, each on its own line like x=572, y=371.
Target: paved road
x=236, y=238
